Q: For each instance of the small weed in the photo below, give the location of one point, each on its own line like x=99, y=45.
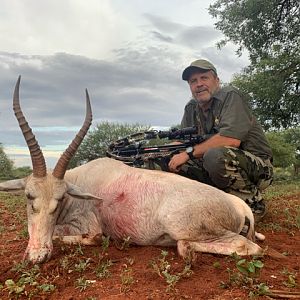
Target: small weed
x=20, y=266
x=126, y=279
x=247, y=274
x=216, y=265
x=250, y=268
x=79, y=250
x=82, y=265
x=23, y=234
x=163, y=268
x=291, y=281
x=46, y=288
x=30, y=277
x=82, y=283
x=102, y=270
x=105, y=243
x=64, y=262
x=14, y=288
x=259, y=290
x=124, y=245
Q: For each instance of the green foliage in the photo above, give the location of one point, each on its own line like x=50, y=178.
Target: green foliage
x=249, y=268
x=273, y=86
x=6, y=165
x=283, y=151
x=28, y=278
x=126, y=278
x=285, y=145
x=7, y=169
x=102, y=269
x=291, y=281
x=105, y=243
x=82, y=265
x=21, y=172
x=258, y=25
x=163, y=268
x=246, y=275
x=82, y=283
x=97, y=141
x=269, y=30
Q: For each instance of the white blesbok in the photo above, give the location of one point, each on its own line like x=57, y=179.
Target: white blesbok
x=106, y=196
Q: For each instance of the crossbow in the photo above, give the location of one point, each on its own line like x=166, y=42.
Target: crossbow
x=135, y=149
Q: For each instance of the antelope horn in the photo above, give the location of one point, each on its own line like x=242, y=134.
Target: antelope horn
x=61, y=166
x=37, y=158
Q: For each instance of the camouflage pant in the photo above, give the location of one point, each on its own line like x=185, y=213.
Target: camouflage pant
x=233, y=170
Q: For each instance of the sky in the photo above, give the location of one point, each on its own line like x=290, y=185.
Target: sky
x=128, y=54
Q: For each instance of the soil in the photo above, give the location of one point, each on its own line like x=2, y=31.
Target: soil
x=74, y=271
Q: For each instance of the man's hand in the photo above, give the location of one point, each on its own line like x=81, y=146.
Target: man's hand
x=177, y=161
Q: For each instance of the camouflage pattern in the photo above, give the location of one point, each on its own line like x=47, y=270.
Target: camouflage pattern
x=233, y=170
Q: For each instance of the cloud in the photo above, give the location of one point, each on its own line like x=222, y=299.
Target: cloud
x=129, y=55
x=188, y=36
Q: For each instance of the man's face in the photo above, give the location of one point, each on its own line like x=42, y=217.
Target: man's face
x=203, y=85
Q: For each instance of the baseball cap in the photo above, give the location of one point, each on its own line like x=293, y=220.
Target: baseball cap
x=198, y=64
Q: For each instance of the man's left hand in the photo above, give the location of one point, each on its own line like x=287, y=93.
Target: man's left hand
x=177, y=161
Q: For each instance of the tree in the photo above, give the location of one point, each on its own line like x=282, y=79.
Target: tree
x=6, y=165
x=292, y=136
x=283, y=152
x=273, y=87
x=97, y=141
x=258, y=25
x=269, y=30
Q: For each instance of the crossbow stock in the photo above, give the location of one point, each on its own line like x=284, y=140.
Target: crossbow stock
x=135, y=149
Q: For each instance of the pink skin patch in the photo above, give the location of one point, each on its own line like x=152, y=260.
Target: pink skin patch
x=124, y=206
x=34, y=242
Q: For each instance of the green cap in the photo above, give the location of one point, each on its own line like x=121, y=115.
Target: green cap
x=201, y=64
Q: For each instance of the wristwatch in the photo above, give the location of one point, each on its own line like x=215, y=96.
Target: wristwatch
x=189, y=151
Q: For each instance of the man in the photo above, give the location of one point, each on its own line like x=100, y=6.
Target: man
x=237, y=157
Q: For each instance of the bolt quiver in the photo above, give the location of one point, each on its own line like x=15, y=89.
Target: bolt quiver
x=136, y=149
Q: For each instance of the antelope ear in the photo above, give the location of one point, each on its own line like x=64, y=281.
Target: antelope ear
x=13, y=185
x=75, y=191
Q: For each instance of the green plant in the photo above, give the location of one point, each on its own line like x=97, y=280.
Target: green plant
x=23, y=234
x=291, y=281
x=82, y=283
x=14, y=288
x=247, y=274
x=82, y=265
x=162, y=267
x=259, y=290
x=46, y=287
x=124, y=245
x=64, y=262
x=105, y=243
x=30, y=278
x=249, y=268
x=20, y=266
x=79, y=250
x=102, y=269
x=126, y=279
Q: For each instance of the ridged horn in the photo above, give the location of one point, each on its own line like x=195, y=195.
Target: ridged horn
x=37, y=157
x=61, y=166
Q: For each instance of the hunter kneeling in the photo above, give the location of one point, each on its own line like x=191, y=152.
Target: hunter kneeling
x=237, y=158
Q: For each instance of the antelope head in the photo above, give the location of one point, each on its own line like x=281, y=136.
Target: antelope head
x=45, y=191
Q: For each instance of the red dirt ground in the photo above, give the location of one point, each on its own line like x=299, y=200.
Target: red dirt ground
x=132, y=276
